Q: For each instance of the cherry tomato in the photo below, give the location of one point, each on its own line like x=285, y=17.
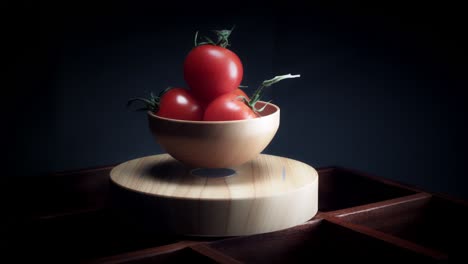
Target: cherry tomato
x=211, y=71
x=178, y=103
x=175, y=103
x=239, y=92
x=228, y=107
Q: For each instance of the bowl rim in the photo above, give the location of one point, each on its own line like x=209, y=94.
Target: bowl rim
x=277, y=110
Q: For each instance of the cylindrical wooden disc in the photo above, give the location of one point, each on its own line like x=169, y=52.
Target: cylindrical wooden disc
x=266, y=194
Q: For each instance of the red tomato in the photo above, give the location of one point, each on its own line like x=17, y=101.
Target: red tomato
x=178, y=103
x=211, y=71
x=228, y=107
x=239, y=92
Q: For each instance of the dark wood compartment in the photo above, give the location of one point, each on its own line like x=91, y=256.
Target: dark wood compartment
x=430, y=221
x=68, y=218
x=340, y=188
x=317, y=240
x=77, y=237
x=58, y=194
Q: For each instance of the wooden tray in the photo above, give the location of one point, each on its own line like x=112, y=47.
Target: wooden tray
x=66, y=218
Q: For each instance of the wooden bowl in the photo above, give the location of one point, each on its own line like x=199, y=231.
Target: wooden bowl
x=216, y=144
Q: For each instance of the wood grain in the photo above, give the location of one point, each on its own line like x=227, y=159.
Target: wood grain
x=267, y=194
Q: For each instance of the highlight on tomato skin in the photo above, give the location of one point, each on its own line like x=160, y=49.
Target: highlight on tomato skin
x=179, y=103
x=211, y=71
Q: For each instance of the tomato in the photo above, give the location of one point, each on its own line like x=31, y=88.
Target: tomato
x=239, y=92
x=228, y=107
x=211, y=71
x=232, y=107
x=174, y=103
x=178, y=103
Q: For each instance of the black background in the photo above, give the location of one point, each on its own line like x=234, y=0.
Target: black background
x=382, y=86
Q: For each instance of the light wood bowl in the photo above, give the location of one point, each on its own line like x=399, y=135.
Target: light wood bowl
x=216, y=144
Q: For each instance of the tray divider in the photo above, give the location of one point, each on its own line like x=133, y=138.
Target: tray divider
x=378, y=205
x=145, y=253
x=372, y=177
x=396, y=241
x=214, y=254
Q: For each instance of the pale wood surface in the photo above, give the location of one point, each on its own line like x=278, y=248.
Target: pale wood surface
x=266, y=194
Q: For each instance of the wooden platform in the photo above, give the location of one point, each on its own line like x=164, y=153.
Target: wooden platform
x=267, y=194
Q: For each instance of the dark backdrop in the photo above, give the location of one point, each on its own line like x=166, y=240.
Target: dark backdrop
x=381, y=87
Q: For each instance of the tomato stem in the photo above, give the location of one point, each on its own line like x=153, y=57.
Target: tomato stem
x=151, y=104
x=257, y=95
x=223, y=38
x=196, y=38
